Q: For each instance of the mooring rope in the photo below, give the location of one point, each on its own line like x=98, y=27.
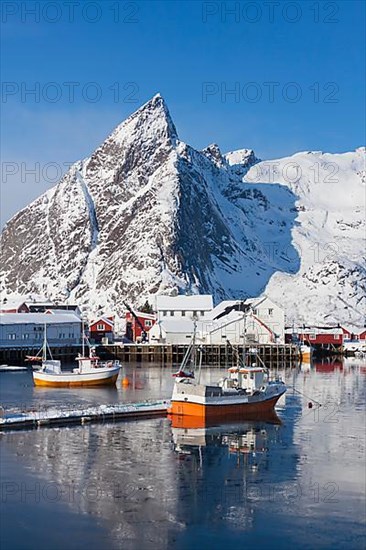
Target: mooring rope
x=307, y=396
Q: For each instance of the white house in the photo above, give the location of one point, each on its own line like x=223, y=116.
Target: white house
x=26, y=330
x=264, y=323
x=174, y=331
x=189, y=307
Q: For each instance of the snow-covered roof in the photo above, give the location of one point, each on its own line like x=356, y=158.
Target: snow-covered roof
x=353, y=329
x=227, y=304
x=11, y=304
x=314, y=330
x=39, y=304
x=103, y=319
x=220, y=308
x=52, y=311
x=37, y=318
x=195, y=302
x=151, y=316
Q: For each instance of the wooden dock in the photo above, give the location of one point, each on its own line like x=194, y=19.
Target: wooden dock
x=17, y=354
x=213, y=355
x=164, y=354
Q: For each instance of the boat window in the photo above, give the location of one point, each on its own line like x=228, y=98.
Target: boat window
x=172, y=314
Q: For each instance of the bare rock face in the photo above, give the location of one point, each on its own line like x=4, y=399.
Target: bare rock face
x=147, y=214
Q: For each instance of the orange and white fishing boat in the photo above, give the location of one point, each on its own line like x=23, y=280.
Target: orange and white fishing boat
x=90, y=372
x=247, y=392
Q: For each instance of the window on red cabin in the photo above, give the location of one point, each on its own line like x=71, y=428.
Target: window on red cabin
x=336, y=337
x=312, y=337
x=148, y=323
x=100, y=326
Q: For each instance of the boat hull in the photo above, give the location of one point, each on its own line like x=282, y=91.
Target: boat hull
x=223, y=411
x=74, y=380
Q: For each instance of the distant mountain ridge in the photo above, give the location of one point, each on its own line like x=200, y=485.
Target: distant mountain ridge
x=147, y=213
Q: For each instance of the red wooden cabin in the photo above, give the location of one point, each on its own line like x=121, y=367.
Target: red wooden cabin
x=354, y=333
x=103, y=327
x=134, y=328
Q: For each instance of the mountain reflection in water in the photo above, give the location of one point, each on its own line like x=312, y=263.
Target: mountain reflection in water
x=296, y=479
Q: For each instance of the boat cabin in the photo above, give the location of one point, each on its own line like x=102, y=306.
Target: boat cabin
x=51, y=366
x=248, y=378
x=251, y=379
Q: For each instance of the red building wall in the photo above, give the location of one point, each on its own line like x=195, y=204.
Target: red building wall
x=353, y=336
x=146, y=320
x=322, y=338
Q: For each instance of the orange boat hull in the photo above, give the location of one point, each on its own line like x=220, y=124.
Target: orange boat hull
x=77, y=384
x=244, y=410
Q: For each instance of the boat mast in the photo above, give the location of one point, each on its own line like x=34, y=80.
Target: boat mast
x=194, y=343
x=82, y=338
x=44, y=348
x=244, y=338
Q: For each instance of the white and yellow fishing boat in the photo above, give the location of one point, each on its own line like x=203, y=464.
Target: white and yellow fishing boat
x=90, y=372
x=306, y=352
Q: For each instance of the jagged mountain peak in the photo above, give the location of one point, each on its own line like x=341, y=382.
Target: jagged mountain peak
x=213, y=152
x=243, y=157
x=147, y=213
x=152, y=117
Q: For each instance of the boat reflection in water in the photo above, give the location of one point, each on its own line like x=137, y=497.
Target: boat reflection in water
x=225, y=471
x=249, y=439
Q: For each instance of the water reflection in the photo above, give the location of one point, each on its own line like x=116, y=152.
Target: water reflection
x=161, y=484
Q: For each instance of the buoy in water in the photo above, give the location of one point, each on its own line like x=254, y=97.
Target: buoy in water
x=125, y=381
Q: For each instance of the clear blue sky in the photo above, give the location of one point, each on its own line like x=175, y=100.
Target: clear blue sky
x=192, y=53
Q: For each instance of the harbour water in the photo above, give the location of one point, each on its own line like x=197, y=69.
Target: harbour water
x=296, y=482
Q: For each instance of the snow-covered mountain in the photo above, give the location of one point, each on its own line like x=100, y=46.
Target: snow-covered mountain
x=147, y=213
